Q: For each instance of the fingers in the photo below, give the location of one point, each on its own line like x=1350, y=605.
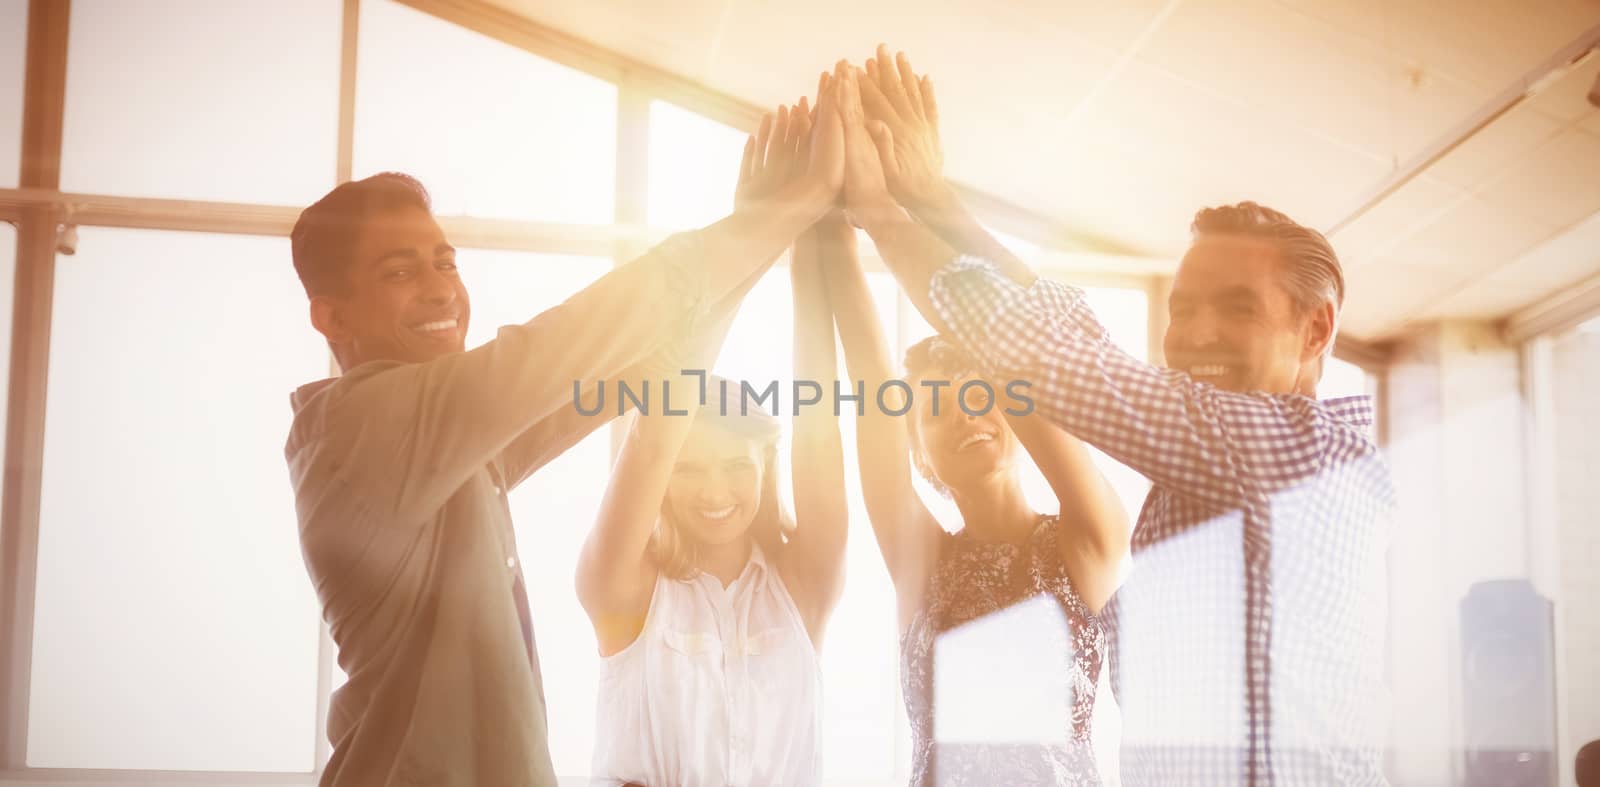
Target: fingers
x=801, y=124
x=849, y=94
x=930, y=107
x=763, y=136
x=874, y=103
x=747, y=165
x=780, y=132
x=909, y=82
x=883, y=140
x=889, y=82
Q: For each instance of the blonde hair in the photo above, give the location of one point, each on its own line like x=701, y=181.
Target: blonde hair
x=677, y=553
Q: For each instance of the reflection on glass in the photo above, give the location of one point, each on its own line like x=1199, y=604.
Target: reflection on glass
x=175, y=625
x=491, y=130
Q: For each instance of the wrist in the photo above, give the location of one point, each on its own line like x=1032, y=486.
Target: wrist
x=877, y=215
x=939, y=199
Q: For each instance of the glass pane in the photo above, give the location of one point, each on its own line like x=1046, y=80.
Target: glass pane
x=175, y=627
x=13, y=57
x=694, y=165
x=553, y=510
x=491, y=130
x=1575, y=421
x=191, y=99
x=8, y=265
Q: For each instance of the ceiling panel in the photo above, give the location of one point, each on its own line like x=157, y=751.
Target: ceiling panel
x=1381, y=294
x=1501, y=145
x=1479, y=300
x=1380, y=228
x=1559, y=182
x=1473, y=237
x=1489, y=43
x=1569, y=257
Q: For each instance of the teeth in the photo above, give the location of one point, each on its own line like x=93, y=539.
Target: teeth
x=437, y=325
x=974, y=440
x=1209, y=370
x=720, y=513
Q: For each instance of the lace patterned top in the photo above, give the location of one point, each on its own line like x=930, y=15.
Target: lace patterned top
x=1015, y=637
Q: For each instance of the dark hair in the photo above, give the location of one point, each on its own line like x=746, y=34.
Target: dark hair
x=1312, y=273
x=934, y=354
x=324, y=237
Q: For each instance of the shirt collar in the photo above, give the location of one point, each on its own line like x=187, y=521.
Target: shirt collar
x=1351, y=410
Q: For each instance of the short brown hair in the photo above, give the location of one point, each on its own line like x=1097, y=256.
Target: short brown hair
x=1312, y=274
x=324, y=237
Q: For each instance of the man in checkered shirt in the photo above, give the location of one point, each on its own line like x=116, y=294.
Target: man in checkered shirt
x=1248, y=638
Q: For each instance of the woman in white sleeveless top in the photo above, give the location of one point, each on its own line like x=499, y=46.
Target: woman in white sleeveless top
x=707, y=600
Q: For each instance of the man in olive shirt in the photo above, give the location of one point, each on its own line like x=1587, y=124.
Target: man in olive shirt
x=401, y=465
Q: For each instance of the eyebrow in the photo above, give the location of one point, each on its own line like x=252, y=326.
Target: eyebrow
x=1238, y=293
x=411, y=254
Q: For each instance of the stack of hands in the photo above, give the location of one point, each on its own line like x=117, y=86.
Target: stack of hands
x=868, y=144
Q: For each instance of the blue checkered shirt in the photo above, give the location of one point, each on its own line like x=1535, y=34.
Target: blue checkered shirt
x=1247, y=642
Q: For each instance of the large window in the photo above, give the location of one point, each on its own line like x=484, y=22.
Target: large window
x=491, y=130
x=191, y=99
x=1575, y=421
x=175, y=627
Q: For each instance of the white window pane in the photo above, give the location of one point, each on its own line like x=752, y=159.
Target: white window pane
x=176, y=627
x=553, y=510
x=13, y=55
x=192, y=99
x=491, y=130
x=694, y=166
x=1342, y=378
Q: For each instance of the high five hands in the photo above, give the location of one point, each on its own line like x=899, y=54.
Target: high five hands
x=871, y=138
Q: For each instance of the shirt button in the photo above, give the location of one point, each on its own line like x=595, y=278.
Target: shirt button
x=511, y=562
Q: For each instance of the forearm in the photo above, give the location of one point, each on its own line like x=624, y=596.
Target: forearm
x=750, y=238
x=911, y=251
x=948, y=217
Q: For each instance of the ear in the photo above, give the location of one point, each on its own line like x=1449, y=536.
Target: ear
x=1319, y=329
x=327, y=316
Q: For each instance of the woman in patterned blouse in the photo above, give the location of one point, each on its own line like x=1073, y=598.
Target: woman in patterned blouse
x=1016, y=588
x=1009, y=601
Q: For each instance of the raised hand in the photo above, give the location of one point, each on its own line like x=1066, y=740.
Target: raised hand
x=914, y=164
x=775, y=155
x=866, y=192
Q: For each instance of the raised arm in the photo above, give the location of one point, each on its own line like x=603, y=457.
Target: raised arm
x=813, y=560
x=457, y=413
x=1091, y=515
x=1217, y=447
x=616, y=575
x=1094, y=526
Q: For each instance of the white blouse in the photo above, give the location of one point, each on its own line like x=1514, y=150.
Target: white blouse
x=721, y=689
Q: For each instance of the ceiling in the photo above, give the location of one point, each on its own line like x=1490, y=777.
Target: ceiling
x=1120, y=119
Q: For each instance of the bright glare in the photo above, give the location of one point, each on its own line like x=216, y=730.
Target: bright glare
x=694, y=165
x=491, y=130
x=193, y=99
